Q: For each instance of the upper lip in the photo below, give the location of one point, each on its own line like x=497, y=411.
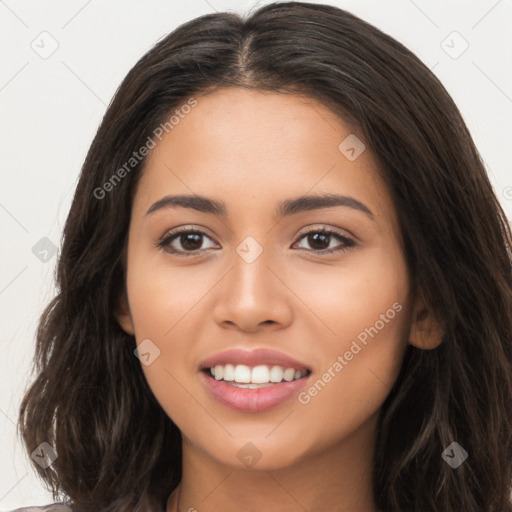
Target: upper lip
x=253, y=357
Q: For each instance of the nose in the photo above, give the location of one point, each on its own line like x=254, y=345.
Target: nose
x=254, y=295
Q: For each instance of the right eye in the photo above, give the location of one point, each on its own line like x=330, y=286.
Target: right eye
x=183, y=241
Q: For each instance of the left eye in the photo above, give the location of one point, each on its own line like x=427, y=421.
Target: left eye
x=319, y=236
x=191, y=241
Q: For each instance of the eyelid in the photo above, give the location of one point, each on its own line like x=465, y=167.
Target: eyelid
x=324, y=227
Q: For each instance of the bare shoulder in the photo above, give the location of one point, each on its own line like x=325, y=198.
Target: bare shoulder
x=54, y=507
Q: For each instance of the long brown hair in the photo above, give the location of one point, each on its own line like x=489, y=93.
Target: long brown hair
x=117, y=449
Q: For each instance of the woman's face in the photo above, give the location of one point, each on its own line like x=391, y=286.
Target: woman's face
x=253, y=279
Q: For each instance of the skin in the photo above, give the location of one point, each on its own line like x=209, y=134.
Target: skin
x=252, y=150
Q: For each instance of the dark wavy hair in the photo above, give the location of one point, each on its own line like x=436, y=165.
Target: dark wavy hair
x=117, y=448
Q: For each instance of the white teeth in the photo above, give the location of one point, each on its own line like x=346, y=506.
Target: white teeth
x=276, y=374
x=229, y=373
x=261, y=374
x=219, y=372
x=242, y=373
x=288, y=374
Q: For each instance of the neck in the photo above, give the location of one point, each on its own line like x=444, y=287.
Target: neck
x=337, y=478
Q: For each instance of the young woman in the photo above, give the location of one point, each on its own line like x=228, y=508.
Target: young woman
x=285, y=284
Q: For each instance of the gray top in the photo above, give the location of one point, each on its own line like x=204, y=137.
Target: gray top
x=54, y=507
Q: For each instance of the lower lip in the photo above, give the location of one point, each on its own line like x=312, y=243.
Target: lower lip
x=253, y=400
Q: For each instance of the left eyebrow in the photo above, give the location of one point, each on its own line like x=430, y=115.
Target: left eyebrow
x=288, y=207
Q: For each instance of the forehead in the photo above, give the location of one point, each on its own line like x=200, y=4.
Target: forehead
x=239, y=144
x=236, y=124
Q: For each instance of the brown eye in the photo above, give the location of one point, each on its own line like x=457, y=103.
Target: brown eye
x=185, y=242
x=190, y=241
x=320, y=241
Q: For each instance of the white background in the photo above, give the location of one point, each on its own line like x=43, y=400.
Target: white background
x=50, y=110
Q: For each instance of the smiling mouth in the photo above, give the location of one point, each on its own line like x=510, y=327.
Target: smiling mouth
x=254, y=377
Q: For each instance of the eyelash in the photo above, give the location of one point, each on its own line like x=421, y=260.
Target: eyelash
x=165, y=241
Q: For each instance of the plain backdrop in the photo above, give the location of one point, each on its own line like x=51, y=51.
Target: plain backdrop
x=61, y=63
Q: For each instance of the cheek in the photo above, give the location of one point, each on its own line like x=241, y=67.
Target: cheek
x=360, y=369
x=361, y=317
x=163, y=297
x=345, y=300
x=164, y=303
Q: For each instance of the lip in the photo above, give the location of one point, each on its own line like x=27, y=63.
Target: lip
x=252, y=400
x=253, y=357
